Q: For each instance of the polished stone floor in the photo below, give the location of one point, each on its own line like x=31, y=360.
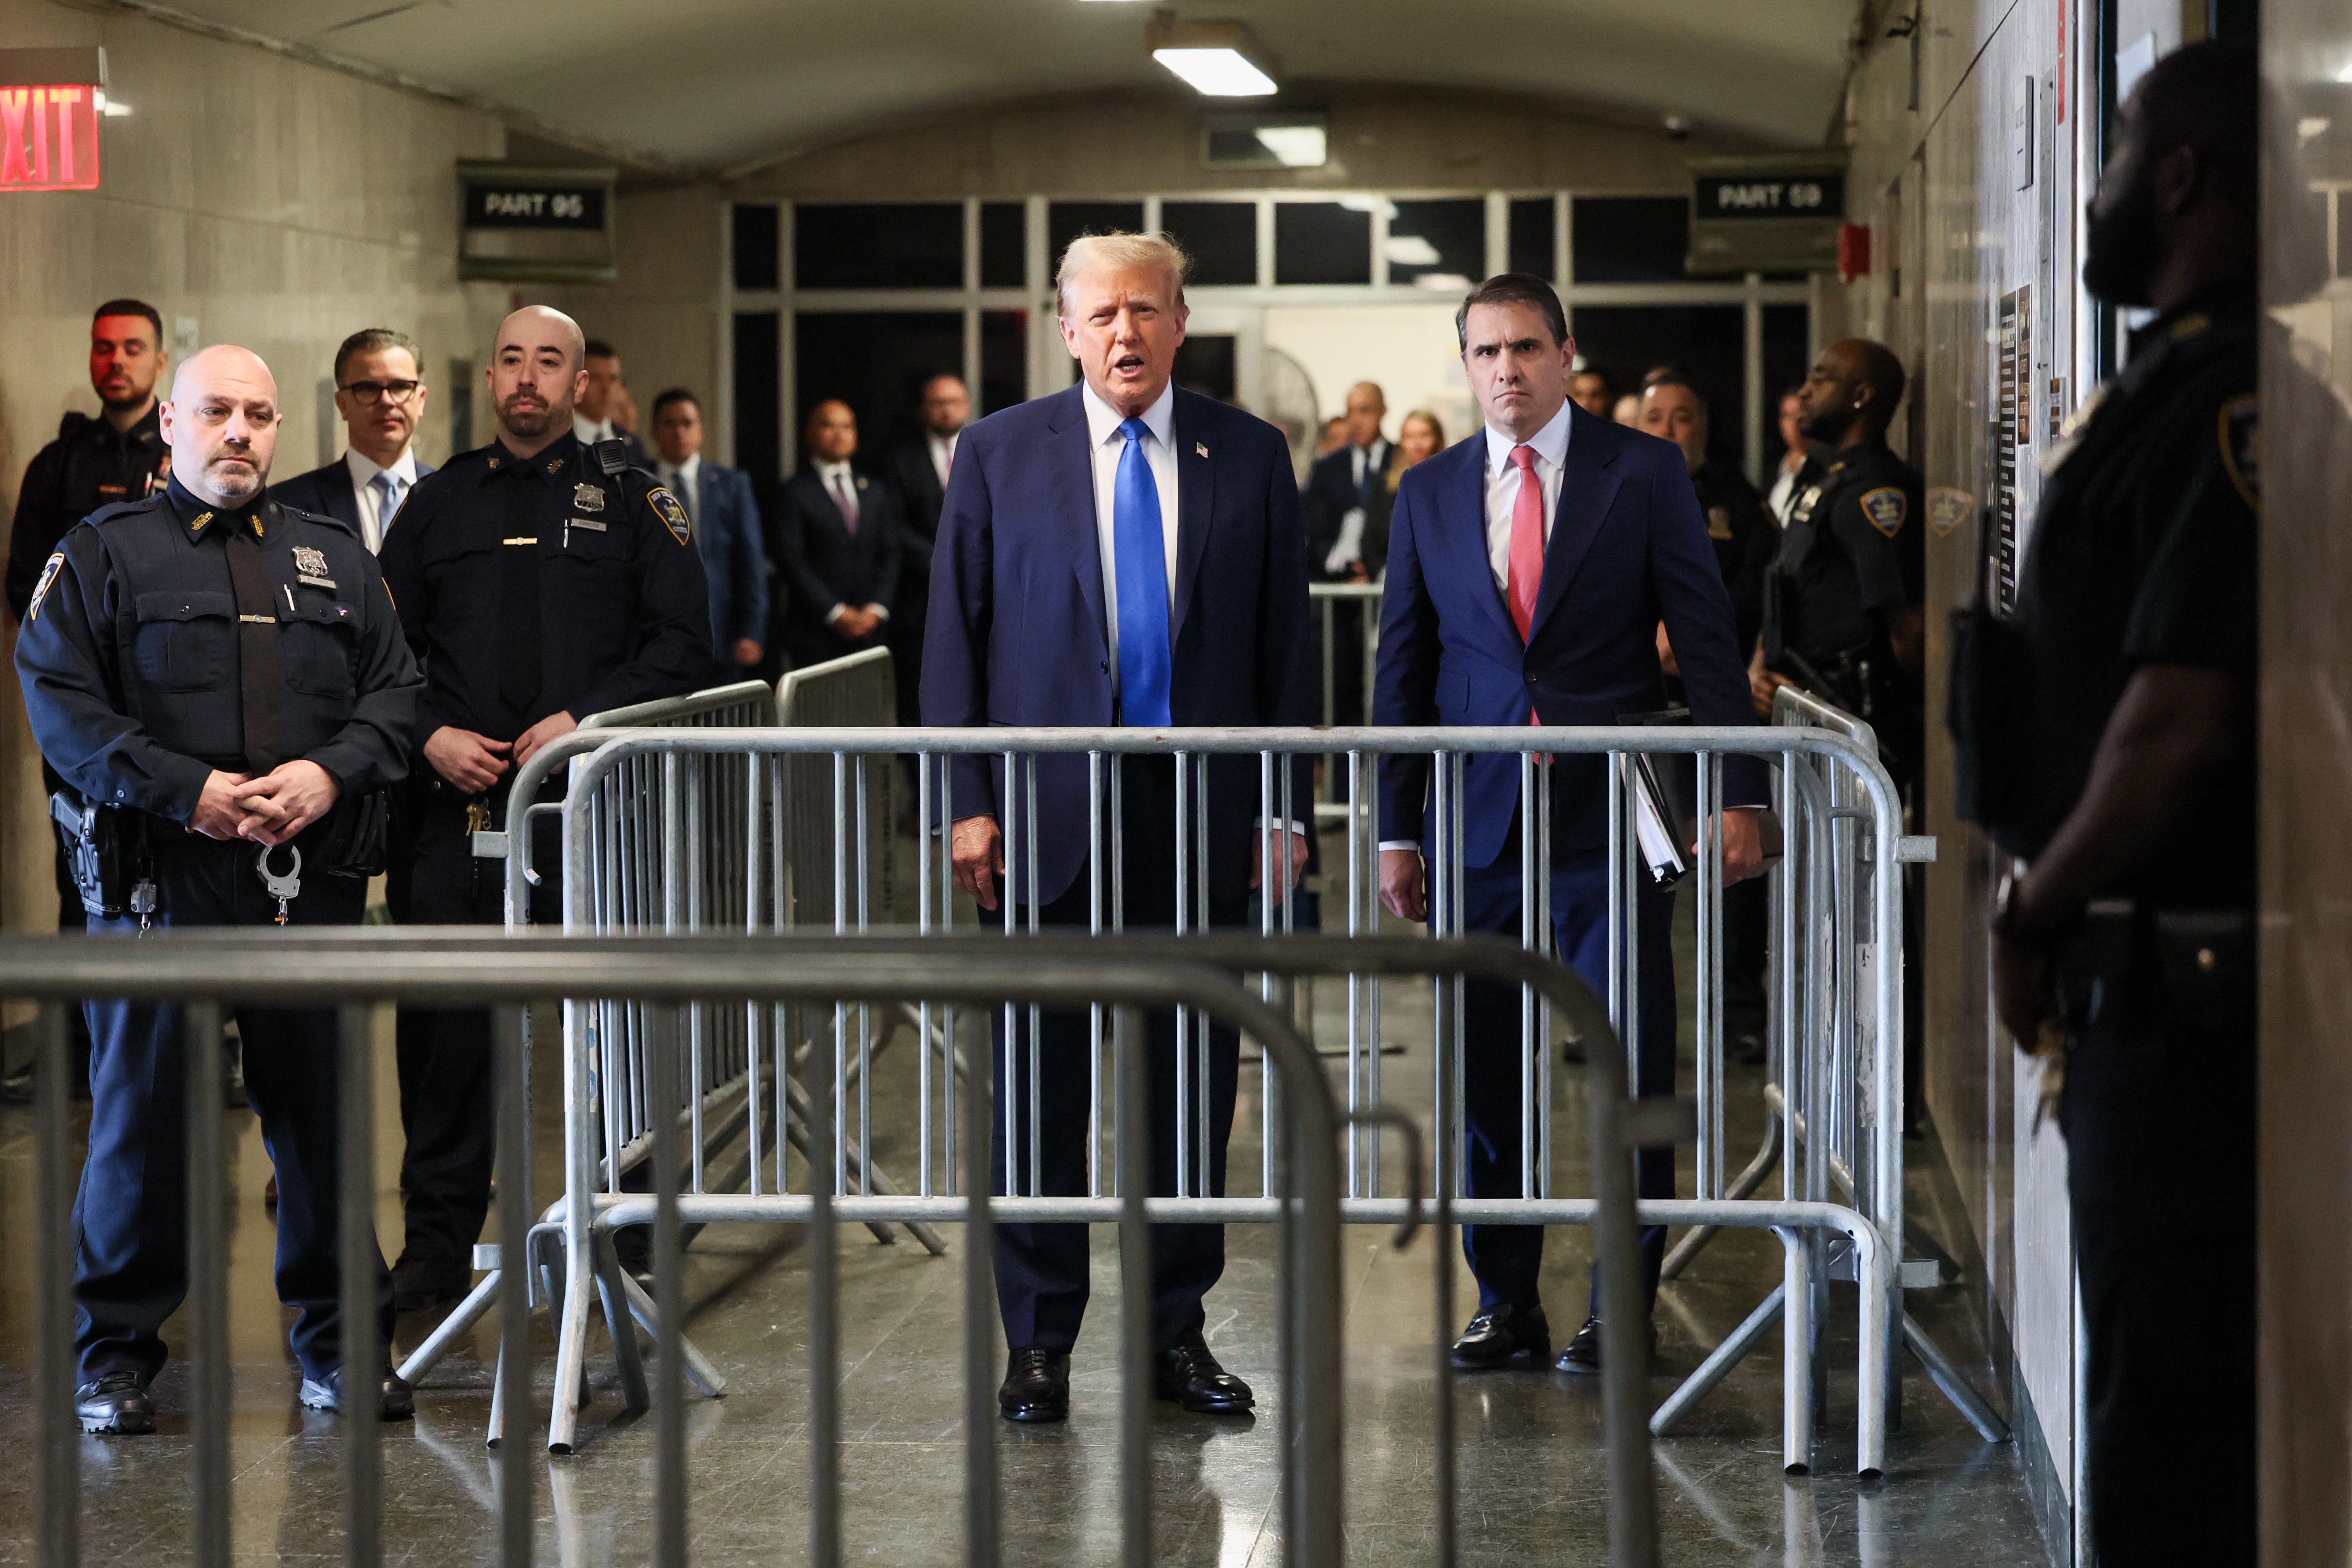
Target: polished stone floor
x=1529, y=1457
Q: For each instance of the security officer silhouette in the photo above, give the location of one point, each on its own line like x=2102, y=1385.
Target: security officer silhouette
x=211, y=674
x=537, y=580
x=1843, y=614
x=2105, y=736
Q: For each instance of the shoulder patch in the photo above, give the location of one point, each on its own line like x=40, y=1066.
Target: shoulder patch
x=2241, y=446
x=1885, y=507
x=665, y=507
x=1947, y=510
x=41, y=588
x=1718, y=523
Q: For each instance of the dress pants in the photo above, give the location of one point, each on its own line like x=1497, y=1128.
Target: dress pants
x=131, y=1268
x=1041, y=1269
x=1507, y=1258
x=445, y=1069
x=2158, y=1112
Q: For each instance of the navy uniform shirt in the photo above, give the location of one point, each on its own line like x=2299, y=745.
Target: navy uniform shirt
x=1853, y=552
x=2143, y=552
x=130, y=658
x=623, y=611
x=1745, y=539
x=89, y=465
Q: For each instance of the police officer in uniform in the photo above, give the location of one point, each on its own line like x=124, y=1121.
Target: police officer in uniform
x=2106, y=737
x=118, y=455
x=1842, y=615
x=537, y=580
x=223, y=685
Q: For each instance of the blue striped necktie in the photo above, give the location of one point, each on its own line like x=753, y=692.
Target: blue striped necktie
x=1139, y=550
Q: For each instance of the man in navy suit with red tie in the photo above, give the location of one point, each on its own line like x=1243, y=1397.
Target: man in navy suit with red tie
x=1122, y=553
x=1529, y=567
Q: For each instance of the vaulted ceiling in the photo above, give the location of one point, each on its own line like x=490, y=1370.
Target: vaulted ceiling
x=715, y=84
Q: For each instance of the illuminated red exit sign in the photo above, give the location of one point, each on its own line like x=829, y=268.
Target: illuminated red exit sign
x=50, y=109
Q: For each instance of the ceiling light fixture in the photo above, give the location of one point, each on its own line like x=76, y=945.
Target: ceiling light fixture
x=1216, y=59
x=1294, y=146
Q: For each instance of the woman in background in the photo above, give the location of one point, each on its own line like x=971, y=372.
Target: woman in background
x=1420, y=437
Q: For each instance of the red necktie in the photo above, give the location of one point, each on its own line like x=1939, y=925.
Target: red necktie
x=1525, y=573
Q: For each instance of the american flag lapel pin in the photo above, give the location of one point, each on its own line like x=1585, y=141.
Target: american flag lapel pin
x=1201, y=448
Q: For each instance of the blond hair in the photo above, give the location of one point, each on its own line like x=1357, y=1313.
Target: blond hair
x=1119, y=250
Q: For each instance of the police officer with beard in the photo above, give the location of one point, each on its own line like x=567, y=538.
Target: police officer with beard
x=2106, y=738
x=539, y=580
x=223, y=685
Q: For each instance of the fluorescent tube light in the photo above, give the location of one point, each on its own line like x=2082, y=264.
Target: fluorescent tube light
x=1296, y=146
x=1408, y=250
x=1217, y=72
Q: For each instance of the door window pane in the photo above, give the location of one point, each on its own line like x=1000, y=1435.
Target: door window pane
x=877, y=362
x=1786, y=330
x=878, y=244
x=1003, y=246
x=1706, y=343
x=1065, y=221
x=1631, y=239
x=758, y=423
x=1003, y=360
x=1438, y=244
x=756, y=247
x=1220, y=237
x=1206, y=362
x=1322, y=242
x=1534, y=242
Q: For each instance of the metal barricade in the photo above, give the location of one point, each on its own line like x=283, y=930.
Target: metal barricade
x=1857, y=1086
x=355, y=972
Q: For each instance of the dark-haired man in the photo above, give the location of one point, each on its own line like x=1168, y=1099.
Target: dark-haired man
x=726, y=532
x=380, y=392
x=602, y=396
x=837, y=547
x=920, y=467
x=1529, y=569
x=2117, y=760
x=1591, y=390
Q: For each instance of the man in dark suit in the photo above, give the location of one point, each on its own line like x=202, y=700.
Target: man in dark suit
x=1121, y=553
x=380, y=392
x=726, y=533
x=1530, y=567
x=837, y=546
x=1335, y=506
x=603, y=397
x=920, y=469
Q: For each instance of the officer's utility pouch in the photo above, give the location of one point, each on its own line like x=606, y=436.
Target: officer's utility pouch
x=355, y=838
x=2208, y=957
x=107, y=848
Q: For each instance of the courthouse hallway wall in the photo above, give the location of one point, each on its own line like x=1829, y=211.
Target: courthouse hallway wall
x=251, y=199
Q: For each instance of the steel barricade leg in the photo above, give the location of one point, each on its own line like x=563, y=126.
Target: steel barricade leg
x=513, y=1389
x=207, y=1304
x=57, y=1474
x=1132, y=1141
x=362, y=1348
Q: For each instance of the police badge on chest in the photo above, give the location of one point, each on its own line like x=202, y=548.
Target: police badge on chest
x=310, y=568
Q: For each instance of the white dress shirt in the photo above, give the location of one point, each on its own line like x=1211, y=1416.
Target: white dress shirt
x=363, y=471
x=840, y=479
x=942, y=450
x=1783, y=493
x=591, y=430
x=1107, y=442
x=683, y=480
x=1503, y=487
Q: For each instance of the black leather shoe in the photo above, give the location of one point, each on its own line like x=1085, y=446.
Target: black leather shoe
x=428, y=1277
x=395, y=1400
x=1583, y=1353
x=1504, y=1336
x=116, y=1405
x=1037, y=1385
x=1185, y=1373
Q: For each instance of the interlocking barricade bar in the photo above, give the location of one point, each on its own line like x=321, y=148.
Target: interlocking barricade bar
x=357, y=972
x=1844, y=1016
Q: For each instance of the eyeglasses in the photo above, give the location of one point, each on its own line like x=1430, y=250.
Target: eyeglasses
x=377, y=391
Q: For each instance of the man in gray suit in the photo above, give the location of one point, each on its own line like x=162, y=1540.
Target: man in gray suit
x=726, y=530
x=380, y=392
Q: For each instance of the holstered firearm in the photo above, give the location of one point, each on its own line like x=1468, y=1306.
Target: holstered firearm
x=107, y=849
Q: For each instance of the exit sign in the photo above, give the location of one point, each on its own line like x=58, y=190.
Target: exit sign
x=49, y=119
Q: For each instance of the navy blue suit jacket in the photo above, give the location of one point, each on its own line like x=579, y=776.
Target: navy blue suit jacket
x=1018, y=635
x=328, y=491
x=734, y=559
x=1628, y=548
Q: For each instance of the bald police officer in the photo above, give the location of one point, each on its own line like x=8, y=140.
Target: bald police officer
x=212, y=674
x=539, y=580
x=2106, y=737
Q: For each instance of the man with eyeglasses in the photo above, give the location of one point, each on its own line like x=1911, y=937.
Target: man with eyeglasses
x=380, y=392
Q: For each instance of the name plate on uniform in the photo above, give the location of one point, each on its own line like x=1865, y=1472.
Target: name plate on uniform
x=523, y=224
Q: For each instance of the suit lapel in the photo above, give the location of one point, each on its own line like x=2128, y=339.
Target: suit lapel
x=1195, y=490
x=1589, y=482
x=1071, y=468
x=343, y=500
x=1461, y=513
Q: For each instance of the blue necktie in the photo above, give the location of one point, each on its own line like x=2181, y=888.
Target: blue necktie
x=1138, y=549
